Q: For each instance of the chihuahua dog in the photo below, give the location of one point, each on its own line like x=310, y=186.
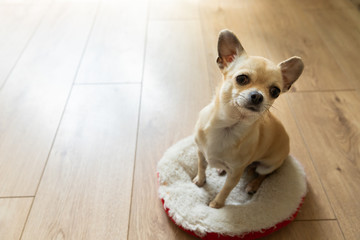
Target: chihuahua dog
x=237, y=129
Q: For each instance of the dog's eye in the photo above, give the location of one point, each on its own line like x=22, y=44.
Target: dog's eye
x=242, y=79
x=274, y=92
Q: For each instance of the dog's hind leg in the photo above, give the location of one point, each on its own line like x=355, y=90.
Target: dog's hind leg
x=253, y=185
x=262, y=171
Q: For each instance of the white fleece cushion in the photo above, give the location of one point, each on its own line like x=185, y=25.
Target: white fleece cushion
x=277, y=199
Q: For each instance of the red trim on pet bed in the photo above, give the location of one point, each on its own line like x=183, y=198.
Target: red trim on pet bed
x=245, y=236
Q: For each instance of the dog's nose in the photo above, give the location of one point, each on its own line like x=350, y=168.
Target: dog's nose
x=256, y=98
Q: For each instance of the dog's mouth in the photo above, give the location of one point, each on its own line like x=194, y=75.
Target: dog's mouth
x=253, y=108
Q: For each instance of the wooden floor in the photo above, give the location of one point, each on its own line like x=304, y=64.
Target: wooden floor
x=93, y=92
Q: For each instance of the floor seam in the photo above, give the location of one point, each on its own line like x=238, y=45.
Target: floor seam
x=9, y=197
x=62, y=115
x=313, y=163
x=25, y=46
x=139, y=116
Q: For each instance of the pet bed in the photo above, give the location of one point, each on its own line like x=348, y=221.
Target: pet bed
x=244, y=216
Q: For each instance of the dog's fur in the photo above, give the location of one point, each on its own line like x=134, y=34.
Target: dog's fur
x=237, y=129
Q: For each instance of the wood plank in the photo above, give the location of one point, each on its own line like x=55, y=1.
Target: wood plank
x=174, y=10
x=175, y=89
x=13, y=213
x=263, y=31
x=340, y=30
x=319, y=230
x=312, y=5
x=298, y=36
x=116, y=47
x=330, y=126
x=33, y=99
x=316, y=205
x=86, y=188
x=17, y=24
x=217, y=15
x=18, y=2
x=212, y=22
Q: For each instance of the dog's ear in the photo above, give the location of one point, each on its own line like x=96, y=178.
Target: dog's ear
x=291, y=70
x=229, y=48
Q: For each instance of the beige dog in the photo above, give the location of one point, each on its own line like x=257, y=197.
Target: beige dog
x=237, y=129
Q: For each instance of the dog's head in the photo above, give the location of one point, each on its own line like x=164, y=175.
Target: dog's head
x=251, y=84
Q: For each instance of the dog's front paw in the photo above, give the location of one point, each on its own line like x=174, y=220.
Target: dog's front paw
x=215, y=204
x=199, y=182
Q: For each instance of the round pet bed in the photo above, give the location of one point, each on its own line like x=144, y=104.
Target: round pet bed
x=275, y=204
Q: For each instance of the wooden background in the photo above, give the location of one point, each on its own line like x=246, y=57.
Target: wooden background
x=93, y=92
